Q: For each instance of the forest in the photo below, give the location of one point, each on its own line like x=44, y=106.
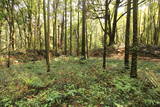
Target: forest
x=79, y=53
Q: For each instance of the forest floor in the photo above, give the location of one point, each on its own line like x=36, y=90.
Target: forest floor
x=78, y=83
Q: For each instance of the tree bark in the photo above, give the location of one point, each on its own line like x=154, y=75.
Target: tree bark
x=0, y=36
x=65, y=44
x=112, y=36
x=46, y=33
x=84, y=29
x=78, y=28
x=127, y=35
x=87, y=45
x=62, y=32
x=105, y=35
x=135, y=40
x=39, y=25
x=71, y=31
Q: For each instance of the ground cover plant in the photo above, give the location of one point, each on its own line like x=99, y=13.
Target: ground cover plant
x=77, y=83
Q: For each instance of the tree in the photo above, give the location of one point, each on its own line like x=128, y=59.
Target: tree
x=71, y=31
x=156, y=27
x=65, y=44
x=0, y=35
x=127, y=42
x=62, y=32
x=113, y=33
x=158, y=22
x=39, y=24
x=55, y=34
x=135, y=40
x=30, y=13
x=46, y=33
x=78, y=24
x=9, y=17
x=105, y=34
x=84, y=29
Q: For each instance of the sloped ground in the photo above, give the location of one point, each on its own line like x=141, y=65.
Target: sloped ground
x=77, y=83
x=150, y=51
x=145, y=52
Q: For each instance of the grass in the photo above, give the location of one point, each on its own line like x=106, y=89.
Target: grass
x=77, y=83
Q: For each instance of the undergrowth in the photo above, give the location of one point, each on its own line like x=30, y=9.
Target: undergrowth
x=77, y=83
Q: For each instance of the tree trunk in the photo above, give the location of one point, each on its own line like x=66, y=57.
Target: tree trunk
x=62, y=33
x=10, y=45
x=12, y=24
x=11, y=33
x=20, y=34
x=78, y=29
x=87, y=48
x=84, y=29
x=77, y=41
x=65, y=44
x=159, y=23
x=105, y=35
x=90, y=44
x=55, y=32
x=0, y=36
x=157, y=28
x=30, y=25
x=46, y=33
x=112, y=36
x=58, y=35
x=38, y=24
x=135, y=40
x=71, y=31
x=127, y=35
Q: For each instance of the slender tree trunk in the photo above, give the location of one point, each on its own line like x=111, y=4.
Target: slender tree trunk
x=48, y=38
x=62, y=32
x=158, y=39
x=109, y=25
x=30, y=25
x=135, y=40
x=20, y=34
x=25, y=34
x=12, y=24
x=11, y=33
x=77, y=40
x=90, y=45
x=10, y=45
x=84, y=29
x=38, y=24
x=78, y=29
x=41, y=39
x=148, y=30
x=87, y=48
x=46, y=33
x=55, y=32
x=157, y=27
x=139, y=24
x=142, y=38
x=65, y=44
x=155, y=34
x=71, y=31
x=105, y=35
x=112, y=36
x=127, y=35
x=58, y=35
x=0, y=36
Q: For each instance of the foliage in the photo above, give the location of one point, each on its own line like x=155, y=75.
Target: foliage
x=72, y=83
